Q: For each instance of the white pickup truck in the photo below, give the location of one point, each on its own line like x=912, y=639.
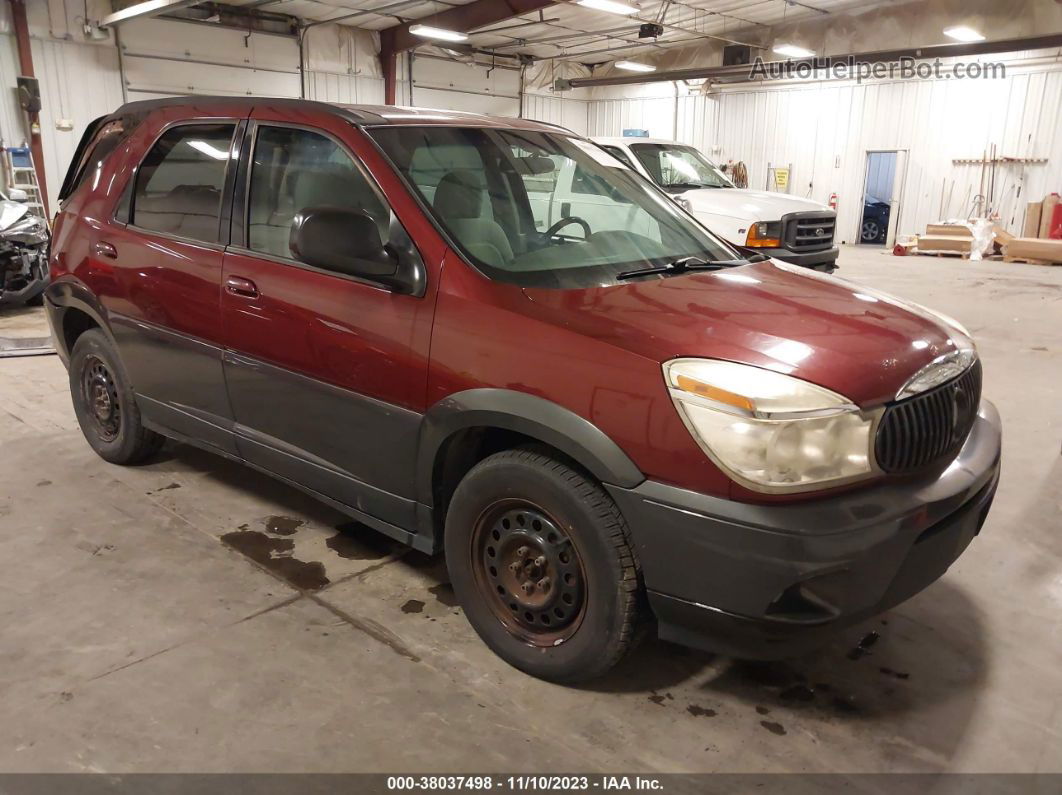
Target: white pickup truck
x=788, y=228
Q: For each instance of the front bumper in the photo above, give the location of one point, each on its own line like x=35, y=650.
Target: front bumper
x=823, y=260
x=773, y=581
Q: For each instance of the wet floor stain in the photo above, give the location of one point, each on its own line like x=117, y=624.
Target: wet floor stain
x=355, y=541
x=797, y=693
x=897, y=674
x=44, y=483
x=166, y=488
x=413, y=606
x=701, y=712
x=863, y=648
x=659, y=699
x=762, y=710
x=282, y=525
x=845, y=706
x=773, y=728
x=444, y=592
x=274, y=554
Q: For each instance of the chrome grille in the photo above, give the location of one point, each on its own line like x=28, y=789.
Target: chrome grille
x=931, y=427
x=807, y=231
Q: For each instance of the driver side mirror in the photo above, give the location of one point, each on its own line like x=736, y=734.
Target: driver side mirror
x=18, y=195
x=347, y=241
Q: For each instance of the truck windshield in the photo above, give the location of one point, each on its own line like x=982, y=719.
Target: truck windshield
x=683, y=167
x=541, y=209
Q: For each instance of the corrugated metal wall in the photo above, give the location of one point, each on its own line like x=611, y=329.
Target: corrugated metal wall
x=78, y=82
x=570, y=113
x=826, y=129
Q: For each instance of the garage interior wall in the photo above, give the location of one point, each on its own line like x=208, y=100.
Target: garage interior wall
x=825, y=129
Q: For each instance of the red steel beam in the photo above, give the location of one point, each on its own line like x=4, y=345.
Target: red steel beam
x=25, y=61
x=463, y=19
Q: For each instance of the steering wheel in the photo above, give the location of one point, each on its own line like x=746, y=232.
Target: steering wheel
x=563, y=222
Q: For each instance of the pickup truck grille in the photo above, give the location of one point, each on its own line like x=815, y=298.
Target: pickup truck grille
x=808, y=231
x=928, y=428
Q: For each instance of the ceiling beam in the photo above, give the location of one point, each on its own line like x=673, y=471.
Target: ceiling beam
x=462, y=19
x=149, y=8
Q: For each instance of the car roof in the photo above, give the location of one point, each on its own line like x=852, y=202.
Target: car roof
x=630, y=139
x=362, y=115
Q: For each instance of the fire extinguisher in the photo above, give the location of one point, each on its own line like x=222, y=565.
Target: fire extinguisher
x=833, y=202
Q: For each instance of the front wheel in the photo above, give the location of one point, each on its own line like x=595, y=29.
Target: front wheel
x=540, y=559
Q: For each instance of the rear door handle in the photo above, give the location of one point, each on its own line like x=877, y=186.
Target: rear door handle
x=237, y=285
x=101, y=248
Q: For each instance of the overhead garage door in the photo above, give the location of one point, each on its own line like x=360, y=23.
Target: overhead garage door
x=163, y=57
x=450, y=85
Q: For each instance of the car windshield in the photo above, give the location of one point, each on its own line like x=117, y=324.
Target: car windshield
x=541, y=209
x=683, y=167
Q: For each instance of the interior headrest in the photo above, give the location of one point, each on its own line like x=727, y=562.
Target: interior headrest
x=460, y=194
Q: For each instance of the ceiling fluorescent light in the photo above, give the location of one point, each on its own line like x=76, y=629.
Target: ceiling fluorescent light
x=792, y=51
x=611, y=6
x=963, y=33
x=634, y=66
x=428, y=32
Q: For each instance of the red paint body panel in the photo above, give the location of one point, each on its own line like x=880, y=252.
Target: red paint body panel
x=596, y=352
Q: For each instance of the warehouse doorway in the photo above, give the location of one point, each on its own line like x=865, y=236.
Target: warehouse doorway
x=882, y=188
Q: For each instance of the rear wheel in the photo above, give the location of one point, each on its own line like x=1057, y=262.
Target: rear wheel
x=540, y=559
x=104, y=403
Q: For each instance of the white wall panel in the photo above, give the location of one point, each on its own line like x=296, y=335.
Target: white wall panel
x=826, y=129
x=78, y=82
x=570, y=113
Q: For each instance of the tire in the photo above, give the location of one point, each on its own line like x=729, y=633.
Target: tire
x=537, y=522
x=871, y=231
x=104, y=403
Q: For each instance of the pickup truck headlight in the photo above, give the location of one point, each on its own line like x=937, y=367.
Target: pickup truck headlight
x=765, y=234
x=769, y=431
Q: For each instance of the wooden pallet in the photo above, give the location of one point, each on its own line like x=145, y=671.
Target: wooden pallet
x=942, y=253
x=1030, y=261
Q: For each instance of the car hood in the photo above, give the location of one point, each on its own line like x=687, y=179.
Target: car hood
x=751, y=205
x=858, y=342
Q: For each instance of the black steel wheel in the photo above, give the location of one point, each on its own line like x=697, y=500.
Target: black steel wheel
x=104, y=402
x=100, y=394
x=530, y=572
x=541, y=561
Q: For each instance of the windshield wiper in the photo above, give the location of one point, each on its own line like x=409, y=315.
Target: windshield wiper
x=683, y=265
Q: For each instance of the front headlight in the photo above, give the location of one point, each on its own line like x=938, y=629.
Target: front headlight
x=769, y=431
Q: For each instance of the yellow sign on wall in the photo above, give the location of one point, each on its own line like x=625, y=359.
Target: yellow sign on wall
x=781, y=178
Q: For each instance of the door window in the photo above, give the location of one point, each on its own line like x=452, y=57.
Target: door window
x=294, y=169
x=179, y=184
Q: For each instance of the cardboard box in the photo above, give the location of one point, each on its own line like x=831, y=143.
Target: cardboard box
x=1032, y=219
x=954, y=243
x=953, y=230
x=1034, y=248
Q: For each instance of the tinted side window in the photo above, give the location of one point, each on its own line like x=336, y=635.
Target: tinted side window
x=179, y=184
x=295, y=169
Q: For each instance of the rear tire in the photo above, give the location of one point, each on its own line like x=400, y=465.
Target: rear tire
x=104, y=403
x=541, y=561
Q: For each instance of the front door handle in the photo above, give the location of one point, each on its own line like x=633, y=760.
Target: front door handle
x=237, y=285
x=101, y=248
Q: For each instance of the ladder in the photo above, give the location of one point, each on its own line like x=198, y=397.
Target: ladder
x=20, y=172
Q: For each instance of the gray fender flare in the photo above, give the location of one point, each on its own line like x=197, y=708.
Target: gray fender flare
x=532, y=416
x=68, y=293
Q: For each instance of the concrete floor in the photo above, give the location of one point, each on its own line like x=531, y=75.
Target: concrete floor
x=148, y=625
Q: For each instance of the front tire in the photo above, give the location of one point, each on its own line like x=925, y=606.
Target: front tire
x=104, y=403
x=541, y=561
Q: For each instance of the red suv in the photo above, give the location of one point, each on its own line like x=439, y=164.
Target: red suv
x=602, y=422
